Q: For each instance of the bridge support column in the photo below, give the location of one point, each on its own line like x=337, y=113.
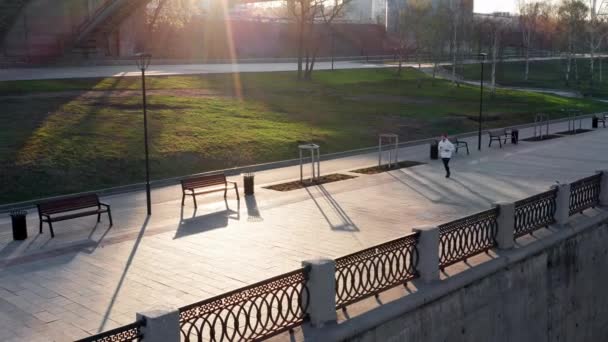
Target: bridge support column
x=322, y=292
x=506, y=225
x=428, y=253
x=562, y=210
x=161, y=325
x=604, y=191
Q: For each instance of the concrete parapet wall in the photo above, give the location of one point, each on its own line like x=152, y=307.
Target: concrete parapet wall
x=552, y=290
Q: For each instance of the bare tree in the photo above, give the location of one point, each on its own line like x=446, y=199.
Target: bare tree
x=173, y=13
x=531, y=14
x=411, y=29
x=309, y=16
x=457, y=15
x=597, y=33
x=572, y=14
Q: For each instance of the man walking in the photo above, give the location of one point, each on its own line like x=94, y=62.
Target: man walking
x=445, y=151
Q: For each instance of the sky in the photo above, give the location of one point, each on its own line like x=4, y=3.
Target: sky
x=489, y=6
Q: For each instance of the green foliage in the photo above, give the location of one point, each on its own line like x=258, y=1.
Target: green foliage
x=62, y=136
x=544, y=74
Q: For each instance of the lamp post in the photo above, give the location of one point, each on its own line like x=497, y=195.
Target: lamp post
x=482, y=58
x=143, y=62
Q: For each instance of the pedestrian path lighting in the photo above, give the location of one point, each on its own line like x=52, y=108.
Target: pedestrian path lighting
x=482, y=59
x=143, y=62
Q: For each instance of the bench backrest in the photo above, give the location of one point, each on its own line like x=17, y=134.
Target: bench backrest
x=204, y=181
x=69, y=204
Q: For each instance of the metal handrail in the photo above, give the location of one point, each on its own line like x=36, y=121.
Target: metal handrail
x=469, y=236
x=127, y=333
x=376, y=269
x=251, y=313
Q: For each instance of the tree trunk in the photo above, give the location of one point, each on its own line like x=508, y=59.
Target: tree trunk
x=569, y=61
x=300, y=47
x=576, y=69
x=527, y=75
x=494, y=55
x=601, y=72
x=454, y=50
x=400, y=63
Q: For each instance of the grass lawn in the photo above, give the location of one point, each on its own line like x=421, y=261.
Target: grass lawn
x=64, y=136
x=544, y=74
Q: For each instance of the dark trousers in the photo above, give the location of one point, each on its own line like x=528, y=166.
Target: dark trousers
x=446, y=164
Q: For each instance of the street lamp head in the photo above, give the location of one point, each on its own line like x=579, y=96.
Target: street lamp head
x=482, y=56
x=143, y=60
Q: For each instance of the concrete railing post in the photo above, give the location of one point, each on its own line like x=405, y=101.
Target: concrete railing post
x=162, y=325
x=604, y=191
x=562, y=202
x=506, y=225
x=322, y=290
x=428, y=253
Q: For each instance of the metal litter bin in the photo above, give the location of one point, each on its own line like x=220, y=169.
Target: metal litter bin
x=435, y=150
x=594, y=122
x=19, y=224
x=248, y=183
x=514, y=136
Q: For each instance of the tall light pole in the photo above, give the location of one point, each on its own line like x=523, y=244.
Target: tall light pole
x=482, y=58
x=143, y=62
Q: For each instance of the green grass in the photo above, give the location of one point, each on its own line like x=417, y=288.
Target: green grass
x=56, y=138
x=544, y=74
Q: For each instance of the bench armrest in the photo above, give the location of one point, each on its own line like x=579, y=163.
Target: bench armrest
x=231, y=182
x=104, y=204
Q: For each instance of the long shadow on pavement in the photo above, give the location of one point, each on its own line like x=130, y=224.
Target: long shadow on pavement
x=124, y=273
x=203, y=223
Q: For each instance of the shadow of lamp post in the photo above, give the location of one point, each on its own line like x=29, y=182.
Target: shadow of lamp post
x=143, y=62
x=482, y=58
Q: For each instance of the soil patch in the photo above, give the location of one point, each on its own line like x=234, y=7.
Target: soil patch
x=384, y=168
x=577, y=131
x=295, y=185
x=545, y=137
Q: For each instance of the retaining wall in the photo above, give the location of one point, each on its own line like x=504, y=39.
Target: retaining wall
x=556, y=294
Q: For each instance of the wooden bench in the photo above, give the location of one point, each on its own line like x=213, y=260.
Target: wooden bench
x=499, y=135
x=461, y=143
x=217, y=181
x=71, y=207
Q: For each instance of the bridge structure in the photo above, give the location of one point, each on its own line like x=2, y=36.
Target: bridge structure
x=94, y=29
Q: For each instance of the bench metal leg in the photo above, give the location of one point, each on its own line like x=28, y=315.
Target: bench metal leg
x=194, y=199
x=98, y=217
x=110, y=217
x=183, y=198
x=40, y=225
x=225, y=190
x=236, y=189
x=51, y=228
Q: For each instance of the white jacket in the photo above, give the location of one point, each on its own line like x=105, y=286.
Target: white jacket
x=446, y=148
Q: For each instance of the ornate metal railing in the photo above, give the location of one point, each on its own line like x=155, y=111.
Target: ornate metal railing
x=251, y=313
x=535, y=212
x=464, y=238
x=127, y=333
x=585, y=193
x=373, y=270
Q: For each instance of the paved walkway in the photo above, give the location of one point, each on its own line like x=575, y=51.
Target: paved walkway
x=44, y=73
x=91, y=278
